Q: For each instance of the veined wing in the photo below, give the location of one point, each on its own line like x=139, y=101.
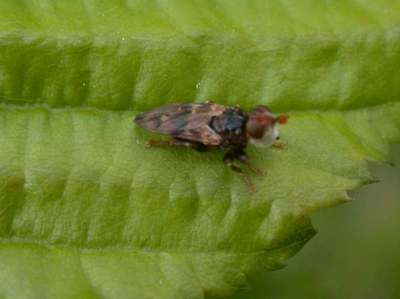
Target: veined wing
x=184, y=121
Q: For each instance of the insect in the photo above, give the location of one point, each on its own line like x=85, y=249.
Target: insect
x=207, y=126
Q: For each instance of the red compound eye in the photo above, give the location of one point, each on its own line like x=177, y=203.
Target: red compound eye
x=261, y=119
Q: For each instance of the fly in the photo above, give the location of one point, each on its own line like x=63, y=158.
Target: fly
x=208, y=126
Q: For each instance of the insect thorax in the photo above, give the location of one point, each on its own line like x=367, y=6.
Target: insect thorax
x=231, y=126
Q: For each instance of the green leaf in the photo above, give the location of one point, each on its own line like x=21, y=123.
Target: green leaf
x=86, y=211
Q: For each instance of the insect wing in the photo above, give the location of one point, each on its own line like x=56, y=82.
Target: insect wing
x=184, y=121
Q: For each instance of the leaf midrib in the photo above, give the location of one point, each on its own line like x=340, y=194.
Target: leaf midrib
x=20, y=105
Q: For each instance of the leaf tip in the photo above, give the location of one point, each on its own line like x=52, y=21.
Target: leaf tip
x=346, y=197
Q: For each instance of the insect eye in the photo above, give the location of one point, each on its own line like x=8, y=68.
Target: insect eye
x=261, y=120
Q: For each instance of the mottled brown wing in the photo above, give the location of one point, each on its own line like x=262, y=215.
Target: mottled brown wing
x=185, y=121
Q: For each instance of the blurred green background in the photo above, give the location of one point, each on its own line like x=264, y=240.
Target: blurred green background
x=356, y=253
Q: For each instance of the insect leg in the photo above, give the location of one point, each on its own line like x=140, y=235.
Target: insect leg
x=172, y=142
x=228, y=160
x=279, y=145
x=241, y=155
